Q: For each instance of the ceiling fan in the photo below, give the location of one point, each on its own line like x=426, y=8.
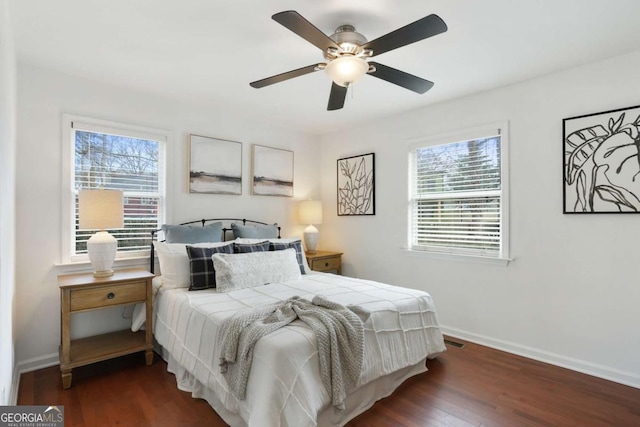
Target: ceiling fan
x=347, y=52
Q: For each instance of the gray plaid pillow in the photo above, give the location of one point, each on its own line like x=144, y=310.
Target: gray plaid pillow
x=278, y=246
x=243, y=248
x=203, y=275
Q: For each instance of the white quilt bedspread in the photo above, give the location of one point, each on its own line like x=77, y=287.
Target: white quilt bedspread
x=284, y=386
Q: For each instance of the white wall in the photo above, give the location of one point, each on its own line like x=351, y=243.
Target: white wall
x=571, y=296
x=43, y=96
x=7, y=203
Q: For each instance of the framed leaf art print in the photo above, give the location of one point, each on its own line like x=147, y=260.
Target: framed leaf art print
x=601, y=162
x=356, y=185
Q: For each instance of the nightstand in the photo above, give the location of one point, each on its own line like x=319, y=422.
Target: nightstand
x=325, y=261
x=83, y=292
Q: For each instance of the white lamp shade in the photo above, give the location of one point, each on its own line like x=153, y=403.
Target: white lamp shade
x=100, y=209
x=310, y=212
x=347, y=69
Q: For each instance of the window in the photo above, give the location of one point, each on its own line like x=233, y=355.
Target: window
x=115, y=156
x=458, y=194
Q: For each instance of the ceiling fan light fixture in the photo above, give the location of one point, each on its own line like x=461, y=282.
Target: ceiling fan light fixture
x=347, y=69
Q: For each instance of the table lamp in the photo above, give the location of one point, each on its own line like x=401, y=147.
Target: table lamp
x=101, y=209
x=310, y=212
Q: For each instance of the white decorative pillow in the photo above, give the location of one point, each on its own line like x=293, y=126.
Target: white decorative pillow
x=237, y=271
x=174, y=262
x=245, y=241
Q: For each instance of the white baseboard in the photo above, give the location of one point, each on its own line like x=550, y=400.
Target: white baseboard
x=596, y=370
x=39, y=362
x=29, y=365
x=15, y=383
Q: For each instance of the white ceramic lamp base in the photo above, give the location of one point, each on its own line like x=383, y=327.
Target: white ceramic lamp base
x=102, y=248
x=311, y=238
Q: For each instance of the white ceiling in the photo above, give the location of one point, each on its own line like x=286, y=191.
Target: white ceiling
x=207, y=51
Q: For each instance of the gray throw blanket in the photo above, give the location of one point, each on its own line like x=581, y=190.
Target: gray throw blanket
x=339, y=331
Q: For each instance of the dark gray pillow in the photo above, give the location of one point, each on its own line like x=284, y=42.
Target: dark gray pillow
x=243, y=248
x=279, y=246
x=193, y=233
x=203, y=275
x=254, y=231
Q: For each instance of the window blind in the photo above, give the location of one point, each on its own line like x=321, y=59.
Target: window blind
x=456, y=197
x=132, y=164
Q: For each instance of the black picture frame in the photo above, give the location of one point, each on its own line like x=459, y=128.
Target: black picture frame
x=601, y=162
x=356, y=185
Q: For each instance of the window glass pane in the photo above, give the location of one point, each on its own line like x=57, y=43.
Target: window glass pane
x=115, y=162
x=457, y=197
x=469, y=223
x=458, y=167
x=123, y=163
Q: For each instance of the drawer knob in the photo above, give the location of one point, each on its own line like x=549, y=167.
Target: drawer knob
x=326, y=264
x=111, y=295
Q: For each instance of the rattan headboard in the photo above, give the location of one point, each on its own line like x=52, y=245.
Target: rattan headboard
x=225, y=230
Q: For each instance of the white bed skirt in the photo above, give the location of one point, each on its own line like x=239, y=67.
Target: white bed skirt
x=357, y=401
x=284, y=388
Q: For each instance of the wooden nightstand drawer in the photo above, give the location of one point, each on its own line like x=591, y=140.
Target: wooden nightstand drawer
x=325, y=264
x=326, y=261
x=105, y=296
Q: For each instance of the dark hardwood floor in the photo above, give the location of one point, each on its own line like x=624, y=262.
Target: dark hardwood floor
x=472, y=386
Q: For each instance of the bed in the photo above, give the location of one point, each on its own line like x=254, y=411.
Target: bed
x=284, y=386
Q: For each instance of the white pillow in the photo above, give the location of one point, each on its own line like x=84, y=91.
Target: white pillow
x=245, y=241
x=237, y=271
x=174, y=262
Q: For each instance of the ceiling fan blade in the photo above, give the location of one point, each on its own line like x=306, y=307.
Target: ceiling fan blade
x=336, y=97
x=305, y=29
x=421, y=29
x=400, y=78
x=285, y=76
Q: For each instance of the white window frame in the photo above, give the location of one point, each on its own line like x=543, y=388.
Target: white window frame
x=501, y=128
x=69, y=122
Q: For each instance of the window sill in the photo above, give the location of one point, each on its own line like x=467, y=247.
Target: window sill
x=85, y=266
x=459, y=257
